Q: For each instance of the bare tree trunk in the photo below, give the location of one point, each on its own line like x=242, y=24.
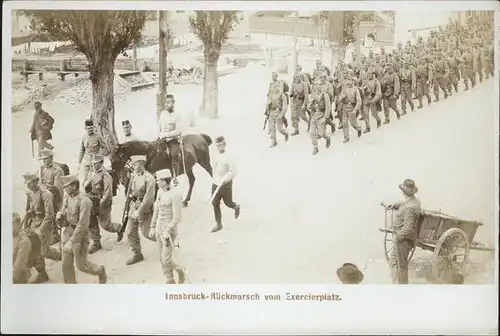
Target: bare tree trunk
x=103, y=103
x=210, y=102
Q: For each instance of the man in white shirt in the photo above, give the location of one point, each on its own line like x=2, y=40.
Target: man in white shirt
x=127, y=131
x=222, y=186
x=170, y=133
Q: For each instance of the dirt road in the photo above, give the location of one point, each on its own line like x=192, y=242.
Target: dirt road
x=302, y=216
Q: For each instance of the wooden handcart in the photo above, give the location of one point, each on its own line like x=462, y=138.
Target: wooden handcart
x=450, y=238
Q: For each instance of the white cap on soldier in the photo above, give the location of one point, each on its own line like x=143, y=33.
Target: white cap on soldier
x=163, y=174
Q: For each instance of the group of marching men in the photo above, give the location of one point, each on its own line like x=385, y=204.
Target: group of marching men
x=368, y=85
x=59, y=202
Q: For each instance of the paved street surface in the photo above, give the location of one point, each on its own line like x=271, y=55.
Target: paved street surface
x=302, y=215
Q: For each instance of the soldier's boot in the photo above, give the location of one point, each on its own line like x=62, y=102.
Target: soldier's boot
x=315, y=151
x=403, y=112
x=96, y=246
x=41, y=277
x=286, y=137
x=446, y=94
x=237, y=211
x=295, y=132
x=137, y=257
x=273, y=144
x=398, y=115
x=436, y=99
x=367, y=130
x=360, y=132
x=379, y=123
x=429, y=100
x=466, y=86
x=387, y=121
x=412, y=107
x=217, y=227
x=346, y=140
x=420, y=103
x=328, y=142
x=180, y=276
x=103, y=277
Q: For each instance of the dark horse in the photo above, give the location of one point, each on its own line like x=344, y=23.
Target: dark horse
x=196, y=150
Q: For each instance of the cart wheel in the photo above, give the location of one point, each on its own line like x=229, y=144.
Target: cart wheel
x=198, y=75
x=450, y=254
x=388, y=246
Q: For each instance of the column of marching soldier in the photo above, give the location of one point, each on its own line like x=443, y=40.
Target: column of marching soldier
x=387, y=82
x=367, y=85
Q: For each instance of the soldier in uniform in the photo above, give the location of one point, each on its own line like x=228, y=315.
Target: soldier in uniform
x=92, y=143
x=276, y=109
x=50, y=177
x=304, y=77
x=424, y=76
x=127, y=131
x=351, y=103
x=408, y=85
x=441, y=74
x=41, y=127
x=39, y=219
x=320, y=107
x=167, y=215
x=469, y=72
x=275, y=81
x=371, y=98
x=142, y=196
x=390, y=92
x=25, y=251
x=300, y=98
x=476, y=52
x=99, y=188
x=383, y=55
x=75, y=218
x=454, y=64
x=170, y=134
x=405, y=226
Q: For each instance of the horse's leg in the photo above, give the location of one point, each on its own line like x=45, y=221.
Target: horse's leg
x=204, y=162
x=191, y=180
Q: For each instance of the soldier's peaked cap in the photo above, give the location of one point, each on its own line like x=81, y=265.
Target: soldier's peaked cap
x=97, y=158
x=28, y=177
x=163, y=174
x=45, y=153
x=125, y=122
x=89, y=122
x=68, y=179
x=220, y=140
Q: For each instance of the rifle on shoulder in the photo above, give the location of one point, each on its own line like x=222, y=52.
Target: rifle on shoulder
x=126, y=208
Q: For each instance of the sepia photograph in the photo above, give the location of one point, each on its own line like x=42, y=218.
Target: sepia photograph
x=199, y=146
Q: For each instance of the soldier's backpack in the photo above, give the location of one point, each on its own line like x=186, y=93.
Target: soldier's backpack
x=64, y=168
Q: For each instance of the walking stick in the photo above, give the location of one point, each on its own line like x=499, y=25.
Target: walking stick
x=393, y=239
x=215, y=193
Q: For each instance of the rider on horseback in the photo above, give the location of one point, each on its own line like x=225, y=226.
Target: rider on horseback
x=170, y=134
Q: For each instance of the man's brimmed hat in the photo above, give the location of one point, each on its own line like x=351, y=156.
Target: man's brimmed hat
x=350, y=274
x=68, y=179
x=97, y=158
x=126, y=122
x=29, y=177
x=45, y=153
x=163, y=174
x=220, y=140
x=408, y=187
